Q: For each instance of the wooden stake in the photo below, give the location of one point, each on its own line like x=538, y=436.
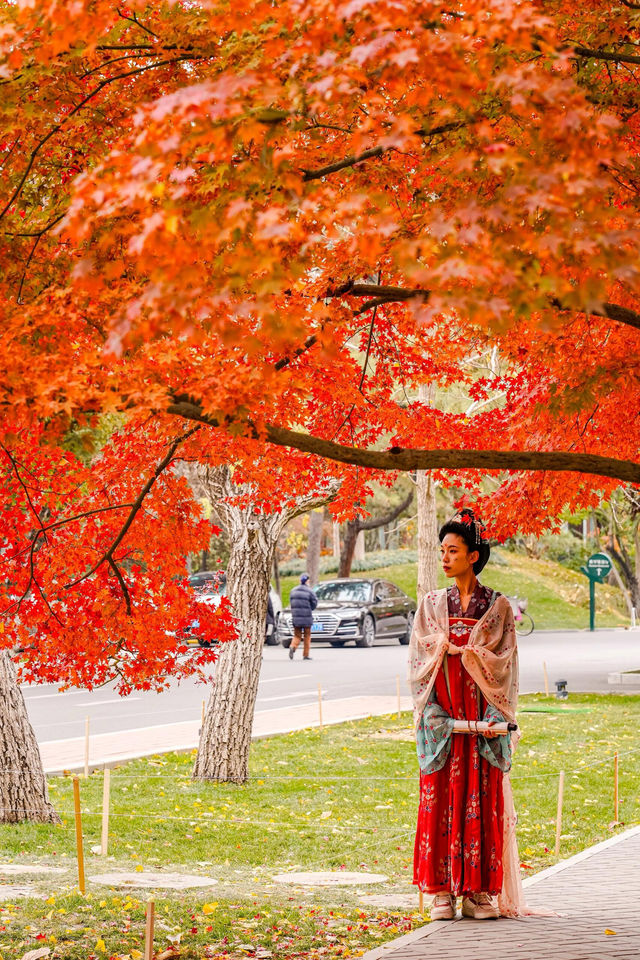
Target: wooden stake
x=320, y=704
x=559, y=814
x=86, y=747
x=78, y=819
x=148, y=930
x=106, y=789
x=546, y=679
x=421, y=902
x=398, y=692
x=616, y=799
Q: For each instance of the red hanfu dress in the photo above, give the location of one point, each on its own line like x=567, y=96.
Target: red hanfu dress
x=459, y=836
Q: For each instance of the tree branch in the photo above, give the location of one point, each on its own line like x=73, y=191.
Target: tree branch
x=354, y=159
x=137, y=504
x=350, y=161
x=374, y=522
x=68, y=116
x=406, y=459
x=606, y=55
x=388, y=294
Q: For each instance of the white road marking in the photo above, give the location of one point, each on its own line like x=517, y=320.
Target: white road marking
x=47, y=696
x=95, y=703
x=290, y=676
x=289, y=696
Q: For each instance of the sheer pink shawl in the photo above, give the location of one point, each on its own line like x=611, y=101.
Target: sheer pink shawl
x=491, y=658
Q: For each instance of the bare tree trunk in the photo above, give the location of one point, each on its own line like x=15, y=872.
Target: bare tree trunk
x=360, y=550
x=351, y=531
x=427, y=534
x=276, y=572
x=316, y=521
x=23, y=785
x=223, y=753
x=336, y=540
x=225, y=739
x=427, y=517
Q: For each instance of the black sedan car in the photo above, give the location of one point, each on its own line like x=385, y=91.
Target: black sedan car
x=358, y=610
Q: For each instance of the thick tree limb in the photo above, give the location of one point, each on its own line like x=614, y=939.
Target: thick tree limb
x=350, y=161
x=606, y=55
x=408, y=459
x=389, y=294
x=374, y=522
x=354, y=159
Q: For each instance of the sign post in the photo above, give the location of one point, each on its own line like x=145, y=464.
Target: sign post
x=597, y=569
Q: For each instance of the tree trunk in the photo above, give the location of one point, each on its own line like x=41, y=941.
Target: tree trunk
x=351, y=531
x=23, y=785
x=427, y=516
x=223, y=753
x=276, y=573
x=336, y=540
x=225, y=739
x=427, y=534
x=316, y=522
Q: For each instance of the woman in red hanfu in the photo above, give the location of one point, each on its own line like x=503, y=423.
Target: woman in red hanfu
x=463, y=665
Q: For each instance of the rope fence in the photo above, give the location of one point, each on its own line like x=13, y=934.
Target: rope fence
x=381, y=835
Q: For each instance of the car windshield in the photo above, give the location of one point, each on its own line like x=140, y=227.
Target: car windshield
x=356, y=592
x=212, y=585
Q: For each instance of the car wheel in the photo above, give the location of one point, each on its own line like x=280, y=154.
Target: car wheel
x=406, y=636
x=337, y=643
x=286, y=642
x=204, y=643
x=368, y=632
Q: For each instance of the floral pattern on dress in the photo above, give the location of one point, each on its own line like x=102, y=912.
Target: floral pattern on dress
x=460, y=818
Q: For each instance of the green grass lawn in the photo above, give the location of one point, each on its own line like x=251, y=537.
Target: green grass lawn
x=558, y=597
x=342, y=798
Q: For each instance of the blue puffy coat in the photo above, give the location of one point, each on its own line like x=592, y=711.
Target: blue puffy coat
x=303, y=602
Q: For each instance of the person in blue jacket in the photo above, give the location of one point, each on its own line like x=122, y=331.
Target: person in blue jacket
x=303, y=602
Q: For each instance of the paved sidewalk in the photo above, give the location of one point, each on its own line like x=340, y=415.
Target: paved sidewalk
x=108, y=749
x=598, y=890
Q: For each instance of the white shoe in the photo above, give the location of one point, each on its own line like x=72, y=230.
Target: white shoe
x=480, y=906
x=443, y=907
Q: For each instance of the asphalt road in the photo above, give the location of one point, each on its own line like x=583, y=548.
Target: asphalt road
x=581, y=658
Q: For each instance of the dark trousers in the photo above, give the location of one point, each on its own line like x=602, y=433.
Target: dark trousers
x=304, y=634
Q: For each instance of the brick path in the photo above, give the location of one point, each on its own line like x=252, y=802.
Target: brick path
x=598, y=889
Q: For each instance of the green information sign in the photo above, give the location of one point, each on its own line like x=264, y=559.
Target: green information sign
x=597, y=568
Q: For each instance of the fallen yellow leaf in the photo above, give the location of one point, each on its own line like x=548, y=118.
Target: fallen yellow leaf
x=610, y=933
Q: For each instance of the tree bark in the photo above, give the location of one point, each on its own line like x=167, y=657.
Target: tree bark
x=23, y=785
x=314, y=545
x=410, y=459
x=427, y=533
x=351, y=532
x=427, y=516
x=225, y=738
x=223, y=753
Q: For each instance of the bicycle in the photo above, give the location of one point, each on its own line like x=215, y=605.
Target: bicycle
x=524, y=621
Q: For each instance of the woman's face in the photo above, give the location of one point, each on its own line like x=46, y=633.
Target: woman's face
x=456, y=557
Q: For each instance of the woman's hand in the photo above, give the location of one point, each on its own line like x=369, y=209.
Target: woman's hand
x=491, y=734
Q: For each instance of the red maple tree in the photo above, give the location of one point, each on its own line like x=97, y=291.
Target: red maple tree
x=274, y=222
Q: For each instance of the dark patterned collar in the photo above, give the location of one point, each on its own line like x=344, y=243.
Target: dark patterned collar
x=478, y=604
